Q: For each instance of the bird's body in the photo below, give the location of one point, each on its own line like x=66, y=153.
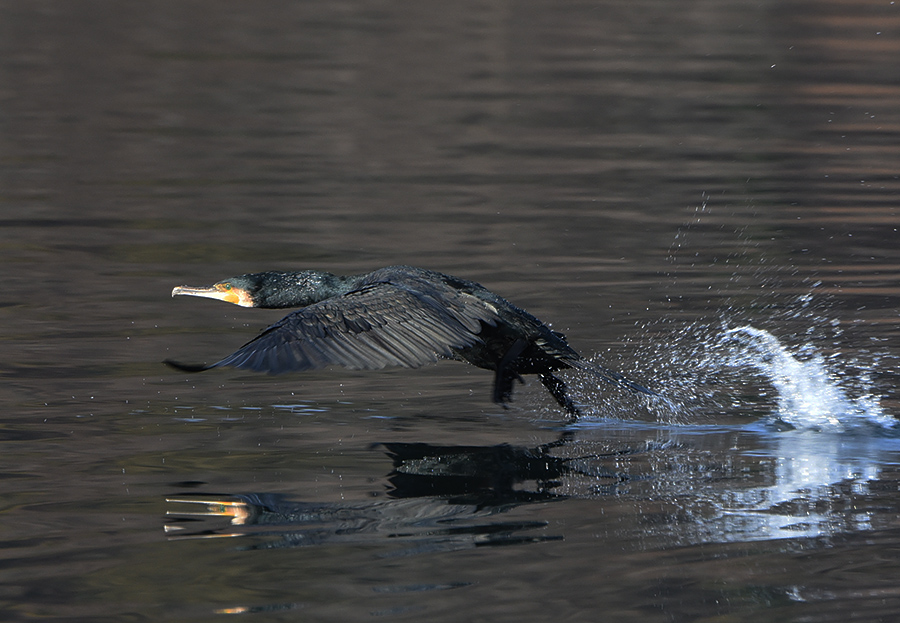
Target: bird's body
x=401, y=316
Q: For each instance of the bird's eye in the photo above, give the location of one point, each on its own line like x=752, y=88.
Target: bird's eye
x=227, y=286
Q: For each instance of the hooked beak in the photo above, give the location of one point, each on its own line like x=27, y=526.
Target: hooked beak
x=234, y=295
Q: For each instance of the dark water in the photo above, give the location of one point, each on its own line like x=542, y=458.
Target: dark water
x=702, y=194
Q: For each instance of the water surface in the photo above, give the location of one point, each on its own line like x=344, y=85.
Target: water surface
x=701, y=196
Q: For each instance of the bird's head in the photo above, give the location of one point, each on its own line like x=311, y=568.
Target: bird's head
x=271, y=289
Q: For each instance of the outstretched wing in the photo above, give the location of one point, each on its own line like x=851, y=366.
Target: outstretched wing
x=379, y=325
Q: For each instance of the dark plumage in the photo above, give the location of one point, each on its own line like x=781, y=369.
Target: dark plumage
x=396, y=316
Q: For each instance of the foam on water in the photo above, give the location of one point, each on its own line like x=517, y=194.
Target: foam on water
x=709, y=371
x=808, y=429
x=809, y=394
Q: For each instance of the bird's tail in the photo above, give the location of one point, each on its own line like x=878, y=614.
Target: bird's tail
x=611, y=376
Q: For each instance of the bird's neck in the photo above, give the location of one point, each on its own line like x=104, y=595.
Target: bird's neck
x=304, y=288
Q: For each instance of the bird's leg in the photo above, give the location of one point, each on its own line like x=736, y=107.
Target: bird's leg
x=506, y=374
x=558, y=389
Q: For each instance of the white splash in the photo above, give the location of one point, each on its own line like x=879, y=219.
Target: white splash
x=809, y=394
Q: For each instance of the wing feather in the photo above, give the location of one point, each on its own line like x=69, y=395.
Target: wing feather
x=378, y=325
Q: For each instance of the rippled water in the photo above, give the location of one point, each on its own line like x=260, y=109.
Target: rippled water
x=703, y=196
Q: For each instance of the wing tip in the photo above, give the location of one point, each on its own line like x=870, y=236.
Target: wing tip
x=639, y=389
x=186, y=367
x=617, y=378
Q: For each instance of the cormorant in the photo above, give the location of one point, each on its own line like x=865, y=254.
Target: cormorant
x=397, y=316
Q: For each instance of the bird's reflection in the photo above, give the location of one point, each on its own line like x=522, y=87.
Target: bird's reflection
x=439, y=497
x=483, y=476
x=682, y=484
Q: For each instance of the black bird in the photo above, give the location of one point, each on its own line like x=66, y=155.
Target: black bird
x=397, y=316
